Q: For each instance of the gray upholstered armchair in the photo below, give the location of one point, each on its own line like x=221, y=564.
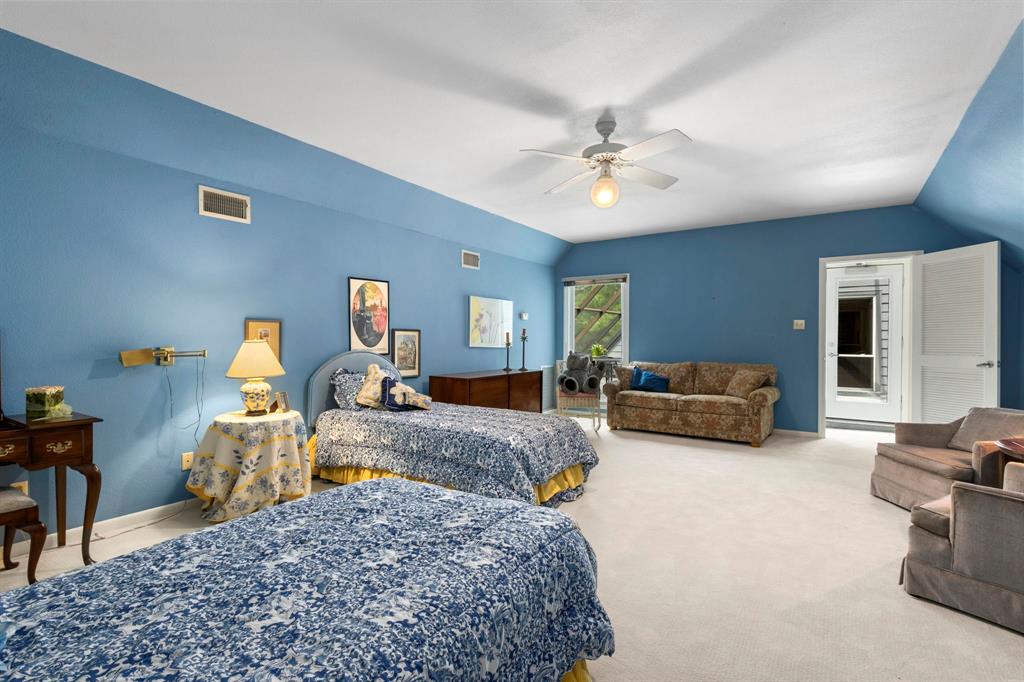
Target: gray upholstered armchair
x=967, y=550
x=927, y=459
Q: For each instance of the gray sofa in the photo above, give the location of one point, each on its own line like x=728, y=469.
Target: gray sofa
x=927, y=459
x=967, y=550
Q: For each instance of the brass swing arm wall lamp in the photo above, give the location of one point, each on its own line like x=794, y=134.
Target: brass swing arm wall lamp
x=163, y=356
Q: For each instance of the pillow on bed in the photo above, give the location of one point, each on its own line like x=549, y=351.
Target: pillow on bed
x=346, y=386
x=397, y=397
x=369, y=392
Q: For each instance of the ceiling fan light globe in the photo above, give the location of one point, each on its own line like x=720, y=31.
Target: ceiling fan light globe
x=604, y=193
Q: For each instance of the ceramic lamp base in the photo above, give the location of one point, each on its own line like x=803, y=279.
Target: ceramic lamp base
x=255, y=396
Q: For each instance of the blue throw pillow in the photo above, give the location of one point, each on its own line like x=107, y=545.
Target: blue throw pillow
x=655, y=383
x=346, y=387
x=387, y=398
x=634, y=382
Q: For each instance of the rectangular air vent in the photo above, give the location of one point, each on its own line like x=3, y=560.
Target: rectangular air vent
x=218, y=203
x=470, y=260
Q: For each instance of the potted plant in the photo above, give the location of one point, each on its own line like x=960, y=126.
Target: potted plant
x=598, y=351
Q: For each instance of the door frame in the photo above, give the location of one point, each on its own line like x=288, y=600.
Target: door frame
x=905, y=258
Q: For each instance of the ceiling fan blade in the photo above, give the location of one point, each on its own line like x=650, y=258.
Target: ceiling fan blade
x=555, y=155
x=647, y=176
x=572, y=181
x=670, y=139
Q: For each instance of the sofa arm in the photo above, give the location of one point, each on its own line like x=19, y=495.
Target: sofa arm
x=927, y=435
x=611, y=389
x=763, y=397
x=986, y=534
x=985, y=461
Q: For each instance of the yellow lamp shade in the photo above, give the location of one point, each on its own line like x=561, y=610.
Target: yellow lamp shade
x=254, y=359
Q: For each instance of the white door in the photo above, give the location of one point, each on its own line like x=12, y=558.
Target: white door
x=864, y=343
x=956, y=332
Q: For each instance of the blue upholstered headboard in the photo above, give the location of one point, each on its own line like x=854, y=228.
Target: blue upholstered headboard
x=320, y=392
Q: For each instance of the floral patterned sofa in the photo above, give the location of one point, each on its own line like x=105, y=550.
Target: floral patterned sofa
x=696, y=404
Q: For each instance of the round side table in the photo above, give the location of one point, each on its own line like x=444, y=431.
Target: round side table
x=249, y=463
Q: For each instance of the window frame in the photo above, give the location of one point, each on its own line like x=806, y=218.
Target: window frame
x=569, y=309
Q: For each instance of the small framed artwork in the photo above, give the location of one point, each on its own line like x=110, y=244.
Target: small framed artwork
x=267, y=330
x=490, y=321
x=369, y=315
x=405, y=344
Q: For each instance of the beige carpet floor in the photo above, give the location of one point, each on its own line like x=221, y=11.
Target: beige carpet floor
x=719, y=561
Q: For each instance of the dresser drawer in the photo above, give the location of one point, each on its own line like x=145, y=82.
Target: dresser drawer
x=14, y=450
x=58, y=446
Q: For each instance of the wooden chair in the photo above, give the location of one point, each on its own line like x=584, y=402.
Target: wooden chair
x=20, y=512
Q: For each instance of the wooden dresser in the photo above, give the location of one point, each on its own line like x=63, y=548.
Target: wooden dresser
x=491, y=388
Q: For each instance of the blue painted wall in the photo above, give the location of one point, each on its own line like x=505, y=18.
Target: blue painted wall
x=102, y=250
x=978, y=187
x=731, y=293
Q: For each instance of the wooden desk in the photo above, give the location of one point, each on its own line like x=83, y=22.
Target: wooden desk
x=35, y=444
x=490, y=388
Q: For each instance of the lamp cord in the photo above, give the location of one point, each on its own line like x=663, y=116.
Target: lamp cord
x=200, y=394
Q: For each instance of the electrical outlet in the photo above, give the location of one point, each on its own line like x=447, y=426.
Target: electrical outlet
x=186, y=461
x=799, y=325
x=22, y=486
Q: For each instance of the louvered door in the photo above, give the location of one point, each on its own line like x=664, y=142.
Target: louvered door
x=956, y=332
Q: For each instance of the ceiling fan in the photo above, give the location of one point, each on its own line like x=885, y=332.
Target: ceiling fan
x=607, y=159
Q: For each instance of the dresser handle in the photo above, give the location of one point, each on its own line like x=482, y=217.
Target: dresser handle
x=6, y=450
x=58, y=447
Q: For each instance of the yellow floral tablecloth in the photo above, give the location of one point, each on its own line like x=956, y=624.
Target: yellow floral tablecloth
x=249, y=463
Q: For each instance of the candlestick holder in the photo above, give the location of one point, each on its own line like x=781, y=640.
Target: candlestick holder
x=508, y=351
x=523, y=368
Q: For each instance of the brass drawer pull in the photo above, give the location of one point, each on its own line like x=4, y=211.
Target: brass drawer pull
x=6, y=450
x=58, y=448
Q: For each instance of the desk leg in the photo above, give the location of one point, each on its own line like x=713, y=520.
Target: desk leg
x=60, y=476
x=92, y=498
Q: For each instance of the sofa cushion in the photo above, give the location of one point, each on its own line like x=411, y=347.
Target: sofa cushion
x=646, y=400
x=987, y=423
x=933, y=516
x=653, y=382
x=744, y=382
x=951, y=464
x=712, y=378
x=712, y=404
x=680, y=374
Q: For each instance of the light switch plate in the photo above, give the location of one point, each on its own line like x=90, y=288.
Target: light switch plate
x=799, y=325
x=186, y=461
x=524, y=316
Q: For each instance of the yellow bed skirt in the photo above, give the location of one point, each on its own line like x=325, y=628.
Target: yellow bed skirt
x=565, y=480
x=579, y=673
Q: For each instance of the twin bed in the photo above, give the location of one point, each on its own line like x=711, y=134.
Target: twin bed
x=386, y=580
x=536, y=458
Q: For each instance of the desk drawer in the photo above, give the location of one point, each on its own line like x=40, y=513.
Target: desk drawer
x=14, y=450
x=58, y=446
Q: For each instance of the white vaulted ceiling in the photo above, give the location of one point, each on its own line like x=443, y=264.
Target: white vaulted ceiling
x=795, y=108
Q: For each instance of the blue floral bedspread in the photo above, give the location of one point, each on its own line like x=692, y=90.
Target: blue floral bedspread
x=382, y=580
x=491, y=452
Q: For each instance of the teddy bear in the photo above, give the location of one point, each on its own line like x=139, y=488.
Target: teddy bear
x=579, y=375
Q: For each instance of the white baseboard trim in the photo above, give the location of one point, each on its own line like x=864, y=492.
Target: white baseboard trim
x=115, y=526
x=800, y=434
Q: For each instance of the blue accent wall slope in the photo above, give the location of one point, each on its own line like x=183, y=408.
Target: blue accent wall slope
x=731, y=293
x=103, y=250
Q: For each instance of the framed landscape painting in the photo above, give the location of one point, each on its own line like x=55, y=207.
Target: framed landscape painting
x=489, y=321
x=405, y=345
x=369, y=315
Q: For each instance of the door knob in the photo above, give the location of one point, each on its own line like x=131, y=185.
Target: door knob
x=987, y=363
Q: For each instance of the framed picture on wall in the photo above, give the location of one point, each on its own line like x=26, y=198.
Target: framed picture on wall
x=405, y=350
x=489, y=321
x=369, y=315
x=267, y=330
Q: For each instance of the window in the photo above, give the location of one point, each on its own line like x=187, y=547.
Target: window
x=597, y=313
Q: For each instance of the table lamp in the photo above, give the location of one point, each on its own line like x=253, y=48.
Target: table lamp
x=254, y=362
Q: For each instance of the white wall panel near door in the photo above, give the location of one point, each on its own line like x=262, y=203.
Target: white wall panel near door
x=956, y=332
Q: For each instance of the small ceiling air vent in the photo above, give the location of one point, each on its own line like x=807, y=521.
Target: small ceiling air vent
x=470, y=260
x=218, y=203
